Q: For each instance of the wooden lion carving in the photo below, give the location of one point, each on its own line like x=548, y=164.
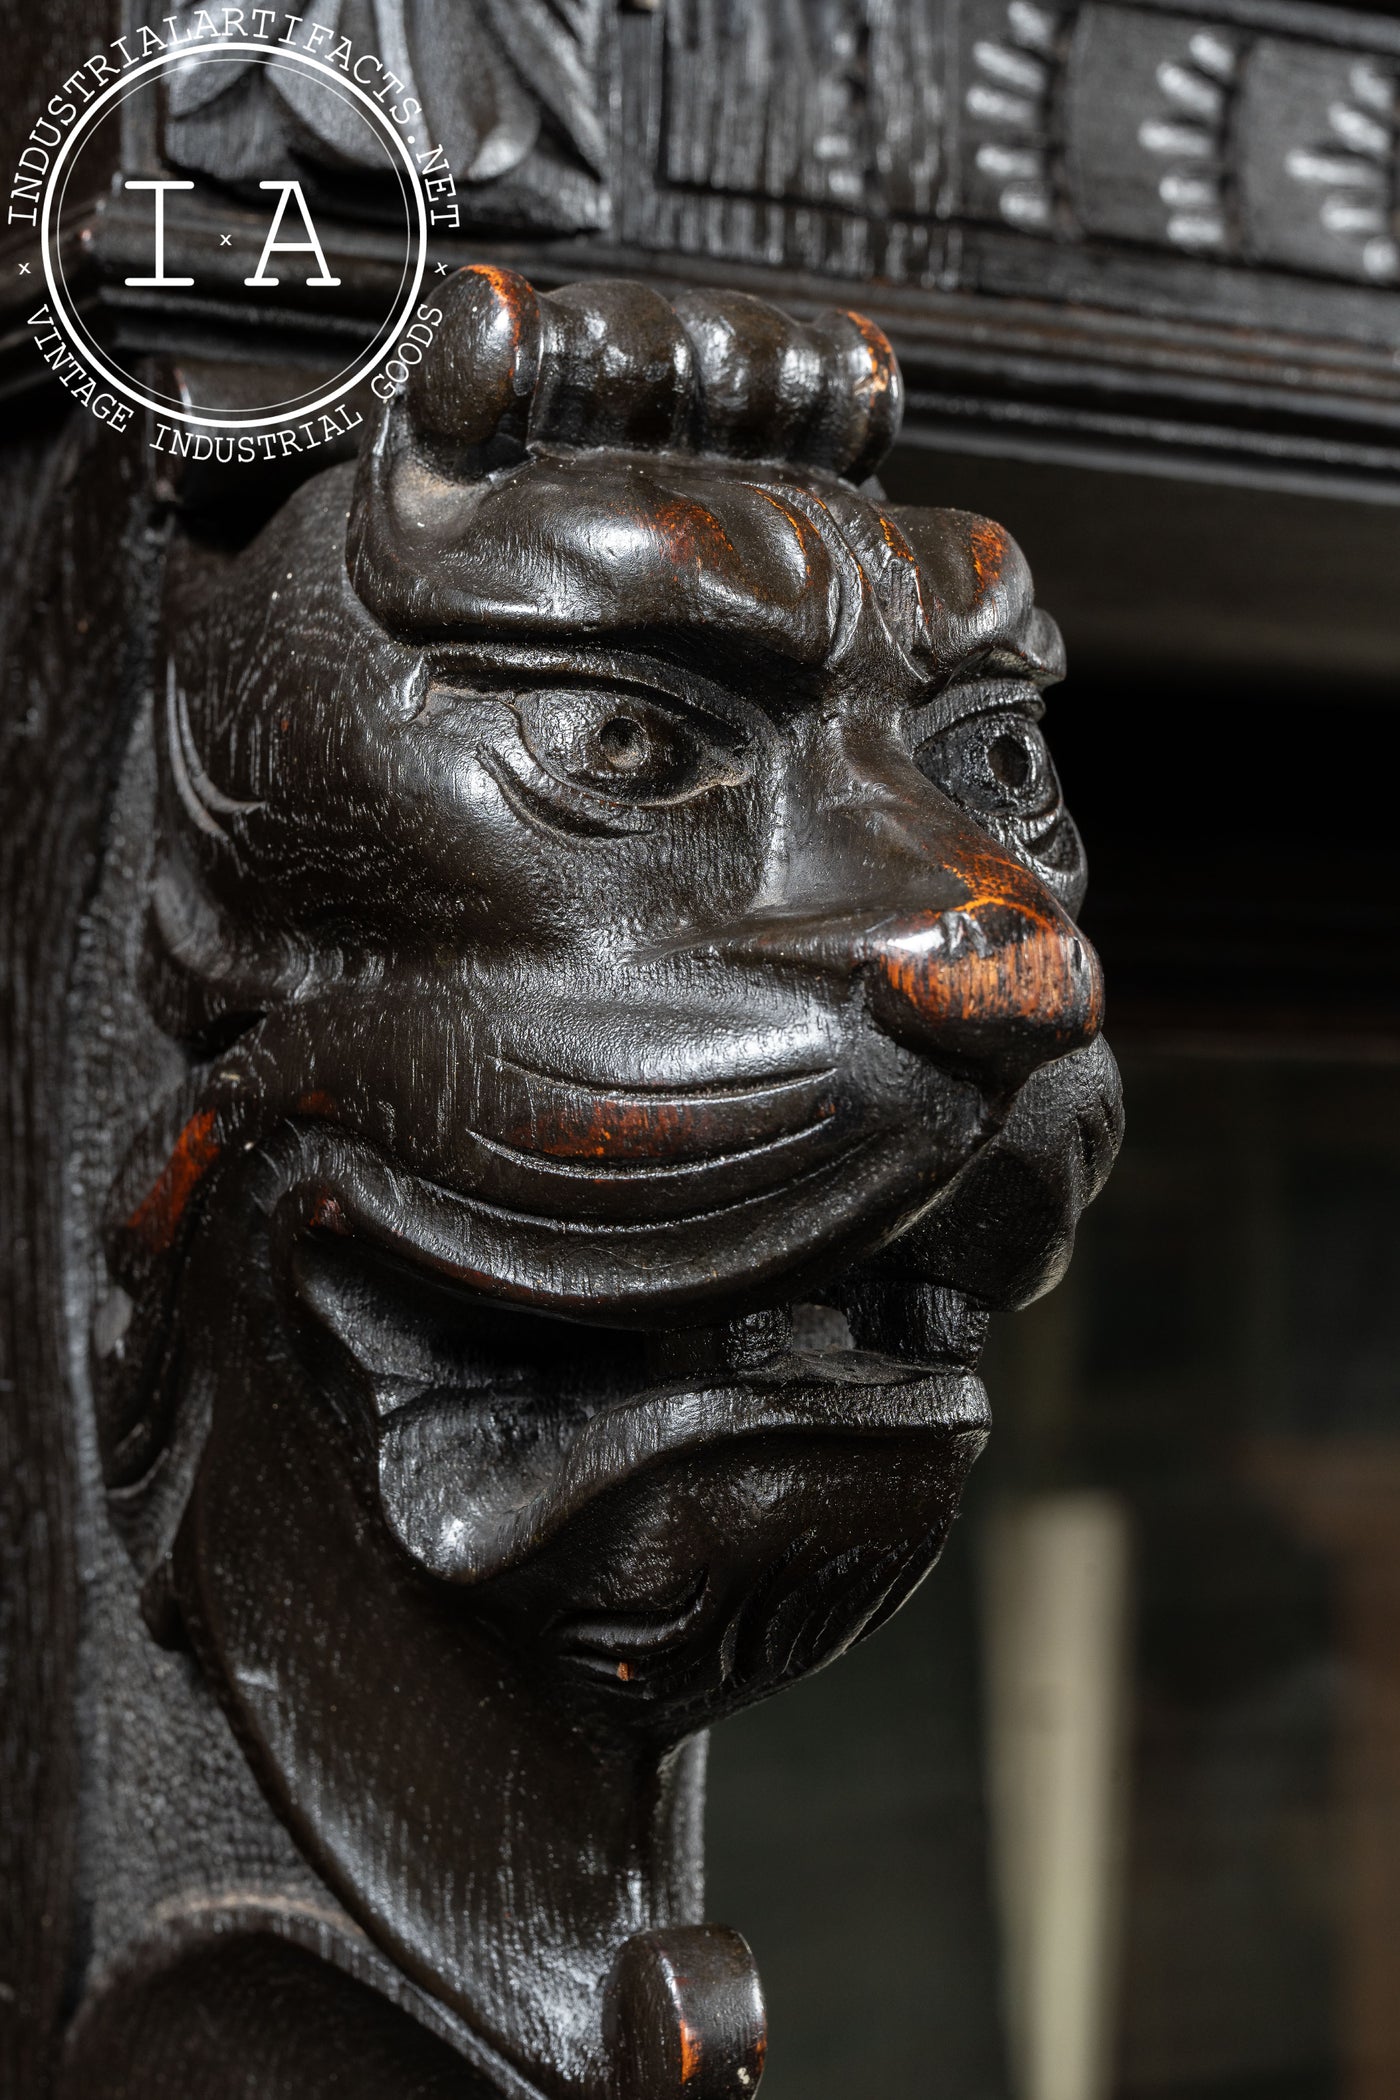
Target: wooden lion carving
x=587, y=1020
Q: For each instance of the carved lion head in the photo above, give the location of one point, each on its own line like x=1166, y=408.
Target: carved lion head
x=617, y=903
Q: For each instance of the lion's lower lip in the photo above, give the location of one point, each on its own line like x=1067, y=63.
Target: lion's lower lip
x=465, y=1521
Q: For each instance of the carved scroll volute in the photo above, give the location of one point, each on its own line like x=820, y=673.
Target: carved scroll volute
x=685, y=2016
x=616, y=915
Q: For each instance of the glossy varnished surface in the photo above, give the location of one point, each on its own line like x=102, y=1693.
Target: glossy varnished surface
x=580, y=1021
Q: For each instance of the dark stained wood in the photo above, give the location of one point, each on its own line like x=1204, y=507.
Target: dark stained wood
x=543, y=991
x=543, y=969
x=576, y=1017
x=71, y=572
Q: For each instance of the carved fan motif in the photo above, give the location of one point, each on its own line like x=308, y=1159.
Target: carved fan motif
x=1007, y=105
x=1352, y=171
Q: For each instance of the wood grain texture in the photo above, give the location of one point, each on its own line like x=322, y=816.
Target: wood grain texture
x=67, y=640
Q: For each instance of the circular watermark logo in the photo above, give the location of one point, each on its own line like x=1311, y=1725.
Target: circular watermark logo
x=269, y=82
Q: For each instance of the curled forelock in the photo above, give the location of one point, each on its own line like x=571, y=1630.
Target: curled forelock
x=701, y=463
x=615, y=365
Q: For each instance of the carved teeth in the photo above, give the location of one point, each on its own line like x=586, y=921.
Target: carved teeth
x=743, y=1344
x=908, y=1320
x=913, y=1321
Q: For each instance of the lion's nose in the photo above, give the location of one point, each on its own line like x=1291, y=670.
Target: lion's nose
x=993, y=986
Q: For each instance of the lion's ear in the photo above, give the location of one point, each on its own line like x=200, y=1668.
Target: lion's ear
x=987, y=602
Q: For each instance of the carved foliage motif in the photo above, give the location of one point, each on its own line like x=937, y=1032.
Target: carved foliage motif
x=509, y=89
x=853, y=135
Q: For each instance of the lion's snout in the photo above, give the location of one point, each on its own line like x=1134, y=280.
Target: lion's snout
x=995, y=988
x=991, y=988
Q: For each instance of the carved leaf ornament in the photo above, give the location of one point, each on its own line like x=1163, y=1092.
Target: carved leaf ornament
x=501, y=83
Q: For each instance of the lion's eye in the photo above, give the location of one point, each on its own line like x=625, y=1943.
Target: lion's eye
x=624, y=743
x=627, y=746
x=1009, y=760
x=994, y=764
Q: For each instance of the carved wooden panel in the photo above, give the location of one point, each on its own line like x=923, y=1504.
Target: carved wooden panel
x=1167, y=233
x=1262, y=137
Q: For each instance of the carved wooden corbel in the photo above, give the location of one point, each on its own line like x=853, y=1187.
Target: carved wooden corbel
x=579, y=1020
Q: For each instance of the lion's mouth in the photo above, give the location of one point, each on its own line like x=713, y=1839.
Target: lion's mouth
x=676, y=1520
x=467, y=1508
x=499, y=1434
x=677, y=1460
x=636, y=1442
